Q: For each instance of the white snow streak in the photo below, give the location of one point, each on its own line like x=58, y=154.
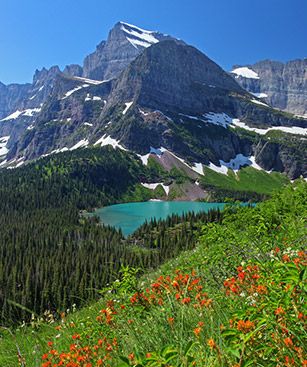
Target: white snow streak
x=128, y=105
x=245, y=72
x=260, y=95
x=153, y=186
x=107, y=140
x=3, y=142
x=259, y=102
x=137, y=36
x=72, y=91
x=81, y=144
x=287, y=129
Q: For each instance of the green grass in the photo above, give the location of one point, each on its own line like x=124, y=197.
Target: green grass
x=246, y=234
x=246, y=180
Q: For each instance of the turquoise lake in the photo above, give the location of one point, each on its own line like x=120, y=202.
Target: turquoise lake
x=128, y=217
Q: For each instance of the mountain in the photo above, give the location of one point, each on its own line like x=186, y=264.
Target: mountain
x=125, y=42
x=283, y=86
x=156, y=96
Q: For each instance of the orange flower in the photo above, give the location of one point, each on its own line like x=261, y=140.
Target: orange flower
x=286, y=258
x=50, y=344
x=171, y=320
x=245, y=326
x=197, y=331
x=131, y=356
x=279, y=311
x=261, y=289
x=76, y=336
x=211, y=343
x=288, y=342
x=186, y=300
x=148, y=355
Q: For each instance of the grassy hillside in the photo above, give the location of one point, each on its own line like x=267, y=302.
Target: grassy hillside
x=237, y=299
x=247, y=183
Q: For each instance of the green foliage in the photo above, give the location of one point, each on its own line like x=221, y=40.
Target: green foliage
x=248, y=183
x=197, y=308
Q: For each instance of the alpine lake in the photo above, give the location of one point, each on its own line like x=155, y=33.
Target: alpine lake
x=129, y=216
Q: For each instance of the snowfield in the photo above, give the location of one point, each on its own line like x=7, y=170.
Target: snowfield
x=138, y=36
x=29, y=113
x=245, y=72
x=107, y=140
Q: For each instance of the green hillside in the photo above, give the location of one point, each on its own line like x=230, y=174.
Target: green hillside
x=237, y=299
x=247, y=182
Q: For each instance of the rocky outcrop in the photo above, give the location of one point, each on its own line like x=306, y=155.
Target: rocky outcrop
x=283, y=86
x=160, y=92
x=291, y=159
x=125, y=42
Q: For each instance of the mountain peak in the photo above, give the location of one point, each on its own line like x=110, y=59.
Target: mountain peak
x=124, y=43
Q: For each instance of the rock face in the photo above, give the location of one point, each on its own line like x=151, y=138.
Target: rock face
x=125, y=42
x=283, y=86
x=143, y=90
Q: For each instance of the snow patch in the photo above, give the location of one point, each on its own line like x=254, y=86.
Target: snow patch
x=90, y=81
x=260, y=95
x=220, y=119
x=198, y=167
x=287, y=129
x=144, y=158
x=13, y=116
x=92, y=98
x=72, y=91
x=29, y=112
x=259, y=102
x=236, y=163
x=138, y=36
x=81, y=144
x=3, y=142
x=128, y=105
x=219, y=169
x=245, y=72
x=153, y=186
x=107, y=140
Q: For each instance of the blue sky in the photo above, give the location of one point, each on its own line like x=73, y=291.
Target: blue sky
x=37, y=33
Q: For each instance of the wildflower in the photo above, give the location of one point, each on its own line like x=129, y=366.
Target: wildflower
x=245, y=326
x=50, y=344
x=76, y=336
x=286, y=258
x=288, y=342
x=211, y=343
x=148, y=355
x=186, y=300
x=197, y=331
x=261, y=289
x=131, y=356
x=171, y=320
x=279, y=311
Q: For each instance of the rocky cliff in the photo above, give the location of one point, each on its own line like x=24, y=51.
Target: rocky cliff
x=283, y=86
x=150, y=93
x=125, y=42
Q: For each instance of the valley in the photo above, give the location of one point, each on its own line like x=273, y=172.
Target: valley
x=153, y=210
